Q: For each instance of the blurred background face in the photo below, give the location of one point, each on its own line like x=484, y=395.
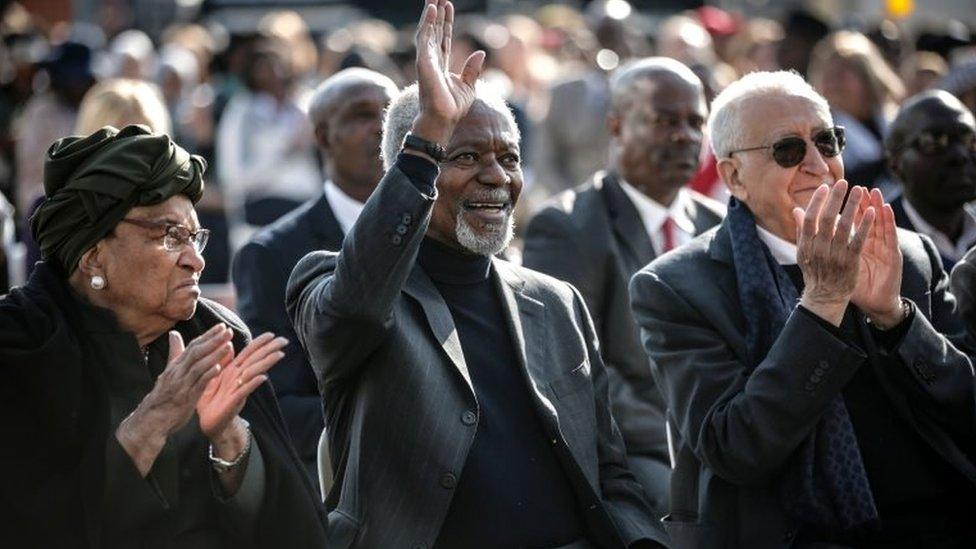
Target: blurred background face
x=657, y=133
x=770, y=190
x=353, y=134
x=846, y=89
x=938, y=165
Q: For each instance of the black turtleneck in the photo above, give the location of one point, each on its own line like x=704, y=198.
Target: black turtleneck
x=512, y=491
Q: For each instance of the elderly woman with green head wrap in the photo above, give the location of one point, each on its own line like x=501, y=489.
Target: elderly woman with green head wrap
x=132, y=410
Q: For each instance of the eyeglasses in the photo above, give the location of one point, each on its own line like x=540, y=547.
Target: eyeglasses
x=175, y=236
x=936, y=143
x=790, y=151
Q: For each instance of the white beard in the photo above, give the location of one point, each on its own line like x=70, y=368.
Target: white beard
x=494, y=237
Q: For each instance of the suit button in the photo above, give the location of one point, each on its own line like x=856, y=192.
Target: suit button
x=469, y=418
x=401, y=229
x=406, y=219
x=448, y=480
x=396, y=239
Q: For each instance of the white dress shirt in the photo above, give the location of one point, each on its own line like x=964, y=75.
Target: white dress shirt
x=345, y=208
x=654, y=214
x=946, y=247
x=783, y=251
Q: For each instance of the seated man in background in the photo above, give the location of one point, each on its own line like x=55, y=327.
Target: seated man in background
x=465, y=398
x=845, y=420
x=931, y=150
x=597, y=236
x=346, y=112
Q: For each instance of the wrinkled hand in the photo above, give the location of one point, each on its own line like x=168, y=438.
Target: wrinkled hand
x=187, y=373
x=445, y=97
x=225, y=395
x=878, y=290
x=828, y=256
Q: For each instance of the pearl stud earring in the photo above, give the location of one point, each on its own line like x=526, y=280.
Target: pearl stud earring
x=97, y=282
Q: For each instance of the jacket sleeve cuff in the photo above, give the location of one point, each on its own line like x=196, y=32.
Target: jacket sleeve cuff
x=421, y=172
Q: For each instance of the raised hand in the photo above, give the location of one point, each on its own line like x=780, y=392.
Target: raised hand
x=445, y=97
x=878, y=290
x=225, y=394
x=828, y=256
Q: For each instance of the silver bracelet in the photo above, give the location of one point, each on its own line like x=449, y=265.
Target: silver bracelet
x=222, y=465
x=906, y=310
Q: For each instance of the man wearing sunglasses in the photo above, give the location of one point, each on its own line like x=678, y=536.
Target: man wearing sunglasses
x=931, y=150
x=813, y=399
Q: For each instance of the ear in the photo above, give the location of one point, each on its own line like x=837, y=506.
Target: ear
x=613, y=124
x=322, y=136
x=91, y=263
x=728, y=170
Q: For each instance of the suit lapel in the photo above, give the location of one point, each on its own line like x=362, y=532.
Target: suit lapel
x=420, y=287
x=629, y=230
x=325, y=227
x=526, y=320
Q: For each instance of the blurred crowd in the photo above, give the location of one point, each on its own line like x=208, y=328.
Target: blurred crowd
x=240, y=99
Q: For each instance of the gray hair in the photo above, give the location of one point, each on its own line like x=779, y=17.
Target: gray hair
x=328, y=91
x=406, y=106
x=649, y=68
x=724, y=124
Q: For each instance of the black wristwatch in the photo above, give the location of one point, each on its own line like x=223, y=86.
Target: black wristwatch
x=430, y=148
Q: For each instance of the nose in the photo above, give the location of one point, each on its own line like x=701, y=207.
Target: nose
x=191, y=259
x=493, y=174
x=814, y=162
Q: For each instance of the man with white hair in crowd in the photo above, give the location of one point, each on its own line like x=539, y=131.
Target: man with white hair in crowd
x=812, y=397
x=465, y=398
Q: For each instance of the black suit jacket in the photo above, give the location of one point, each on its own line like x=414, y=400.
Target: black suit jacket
x=400, y=404
x=260, y=274
x=903, y=221
x=593, y=238
x=735, y=427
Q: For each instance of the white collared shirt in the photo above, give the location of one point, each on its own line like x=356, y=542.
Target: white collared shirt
x=946, y=247
x=783, y=251
x=653, y=214
x=345, y=208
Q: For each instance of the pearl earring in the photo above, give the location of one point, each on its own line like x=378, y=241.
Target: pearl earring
x=97, y=282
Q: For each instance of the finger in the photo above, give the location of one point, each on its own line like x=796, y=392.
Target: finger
x=426, y=25
x=262, y=365
x=828, y=215
x=846, y=221
x=210, y=361
x=204, y=345
x=439, y=23
x=798, y=221
x=472, y=68
x=448, y=33
x=812, y=212
x=272, y=347
x=176, y=346
x=202, y=384
x=863, y=228
x=253, y=346
x=889, y=229
x=247, y=388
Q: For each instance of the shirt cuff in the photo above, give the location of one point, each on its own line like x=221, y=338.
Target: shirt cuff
x=420, y=171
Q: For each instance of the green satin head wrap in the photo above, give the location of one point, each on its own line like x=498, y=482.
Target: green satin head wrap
x=92, y=182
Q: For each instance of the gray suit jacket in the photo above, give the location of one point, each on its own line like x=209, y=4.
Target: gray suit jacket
x=398, y=396
x=734, y=430
x=593, y=238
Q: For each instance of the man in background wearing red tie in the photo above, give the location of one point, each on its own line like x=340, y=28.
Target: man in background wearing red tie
x=598, y=235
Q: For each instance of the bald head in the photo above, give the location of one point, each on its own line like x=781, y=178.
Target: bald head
x=655, y=70
x=342, y=86
x=919, y=112
x=346, y=112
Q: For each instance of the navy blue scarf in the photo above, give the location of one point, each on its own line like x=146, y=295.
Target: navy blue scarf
x=824, y=483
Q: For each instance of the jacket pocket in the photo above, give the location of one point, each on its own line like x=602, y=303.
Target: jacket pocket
x=691, y=535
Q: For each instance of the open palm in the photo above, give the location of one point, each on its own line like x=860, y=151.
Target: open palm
x=225, y=395
x=879, y=281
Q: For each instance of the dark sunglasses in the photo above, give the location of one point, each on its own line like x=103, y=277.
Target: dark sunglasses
x=175, y=236
x=936, y=143
x=790, y=151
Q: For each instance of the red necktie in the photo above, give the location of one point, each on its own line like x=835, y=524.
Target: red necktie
x=667, y=231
